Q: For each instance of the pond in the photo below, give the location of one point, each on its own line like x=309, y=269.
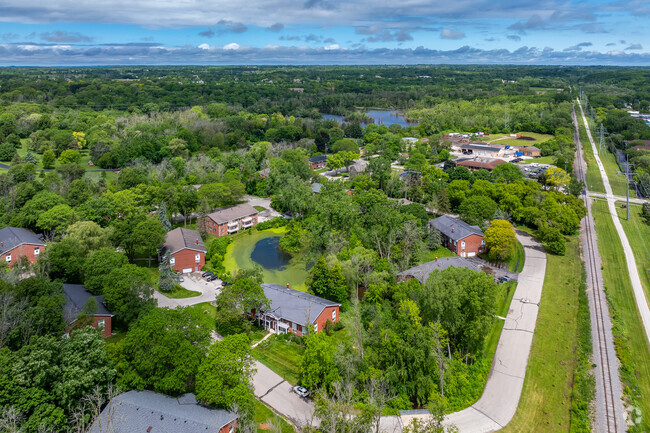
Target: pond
x=380, y=117
x=262, y=248
x=269, y=255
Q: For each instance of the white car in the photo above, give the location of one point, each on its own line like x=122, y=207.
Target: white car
x=301, y=391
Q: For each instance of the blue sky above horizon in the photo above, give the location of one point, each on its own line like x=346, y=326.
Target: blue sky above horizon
x=66, y=32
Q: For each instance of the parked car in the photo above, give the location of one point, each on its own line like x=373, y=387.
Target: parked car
x=207, y=274
x=212, y=278
x=504, y=279
x=302, y=392
x=180, y=279
x=226, y=283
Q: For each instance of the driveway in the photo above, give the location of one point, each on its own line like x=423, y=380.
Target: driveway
x=194, y=282
x=265, y=202
x=500, y=398
x=278, y=393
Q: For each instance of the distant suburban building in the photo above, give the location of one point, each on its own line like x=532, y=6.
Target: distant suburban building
x=150, y=412
x=229, y=220
x=76, y=297
x=422, y=271
x=459, y=237
x=474, y=164
x=530, y=151
x=319, y=161
x=481, y=150
x=17, y=242
x=186, y=250
x=292, y=311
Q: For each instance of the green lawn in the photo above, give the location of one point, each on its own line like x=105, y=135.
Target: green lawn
x=207, y=312
x=259, y=208
x=542, y=160
x=264, y=417
x=638, y=233
x=616, y=180
x=517, y=259
x=593, y=179
x=630, y=341
x=431, y=255
x=239, y=252
x=546, y=398
x=504, y=297
x=506, y=139
x=179, y=292
x=283, y=357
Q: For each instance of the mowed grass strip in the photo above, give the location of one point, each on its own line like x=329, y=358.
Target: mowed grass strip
x=638, y=233
x=281, y=356
x=629, y=336
x=264, y=417
x=545, y=402
x=593, y=178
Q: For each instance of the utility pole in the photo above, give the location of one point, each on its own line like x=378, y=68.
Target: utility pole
x=602, y=138
x=627, y=179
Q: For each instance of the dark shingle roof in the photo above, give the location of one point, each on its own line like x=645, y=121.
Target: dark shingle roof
x=76, y=297
x=294, y=306
x=180, y=238
x=318, y=158
x=226, y=214
x=144, y=411
x=422, y=271
x=455, y=229
x=480, y=147
x=11, y=237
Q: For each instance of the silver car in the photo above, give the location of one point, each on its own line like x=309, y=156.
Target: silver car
x=301, y=391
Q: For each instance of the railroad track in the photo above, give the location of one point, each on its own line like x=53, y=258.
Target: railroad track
x=604, y=357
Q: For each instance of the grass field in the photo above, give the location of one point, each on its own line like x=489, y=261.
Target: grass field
x=265, y=416
x=616, y=180
x=283, y=357
x=504, y=297
x=179, y=292
x=238, y=256
x=546, y=398
x=593, y=179
x=506, y=139
x=207, y=312
x=517, y=259
x=259, y=208
x=543, y=160
x=629, y=337
x=431, y=255
x=638, y=233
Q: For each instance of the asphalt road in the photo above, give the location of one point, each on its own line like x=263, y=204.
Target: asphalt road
x=194, y=282
x=500, y=399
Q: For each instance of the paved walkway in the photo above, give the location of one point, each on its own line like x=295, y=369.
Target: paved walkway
x=639, y=294
x=500, y=399
x=616, y=197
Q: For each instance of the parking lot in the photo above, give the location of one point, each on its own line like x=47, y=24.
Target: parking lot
x=208, y=289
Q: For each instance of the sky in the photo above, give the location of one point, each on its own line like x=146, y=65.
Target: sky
x=175, y=32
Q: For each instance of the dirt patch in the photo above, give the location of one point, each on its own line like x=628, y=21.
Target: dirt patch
x=264, y=426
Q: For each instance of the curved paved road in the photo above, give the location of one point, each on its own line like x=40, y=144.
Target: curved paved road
x=639, y=294
x=500, y=399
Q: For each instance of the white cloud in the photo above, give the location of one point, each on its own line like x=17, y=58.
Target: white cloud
x=204, y=46
x=231, y=46
x=451, y=34
x=331, y=47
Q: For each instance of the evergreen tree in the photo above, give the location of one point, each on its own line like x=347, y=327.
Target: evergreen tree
x=167, y=279
x=320, y=278
x=338, y=286
x=30, y=158
x=49, y=158
x=162, y=215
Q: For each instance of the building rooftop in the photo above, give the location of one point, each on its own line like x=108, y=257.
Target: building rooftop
x=181, y=238
x=318, y=158
x=225, y=214
x=150, y=412
x=477, y=163
x=454, y=228
x=11, y=237
x=76, y=297
x=294, y=306
x=422, y=271
x=480, y=146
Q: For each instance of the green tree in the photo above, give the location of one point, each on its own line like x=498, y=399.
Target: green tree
x=345, y=145
x=70, y=157
x=128, y=292
x=317, y=367
x=167, y=279
x=65, y=260
x=163, y=350
x=224, y=378
x=55, y=220
x=99, y=264
x=163, y=217
x=500, y=239
x=7, y=151
x=48, y=160
x=507, y=173
x=238, y=300
x=557, y=178
x=328, y=283
x=90, y=235
x=148, y=236
x=78, y=193
x=476, y=210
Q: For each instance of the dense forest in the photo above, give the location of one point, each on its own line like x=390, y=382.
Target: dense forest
x=104, y=161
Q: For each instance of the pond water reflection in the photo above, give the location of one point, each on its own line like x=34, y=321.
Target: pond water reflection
x=269, y=255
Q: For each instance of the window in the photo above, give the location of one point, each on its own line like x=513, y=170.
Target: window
x=172, y=261
x=231, y=428
x=8, y=257
x=482, y=242
x=334, y=315
x=294, y=328
x=37, y=251
x=101, y=324
x=197, y=257
x=462, y=245
x=316, y=327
